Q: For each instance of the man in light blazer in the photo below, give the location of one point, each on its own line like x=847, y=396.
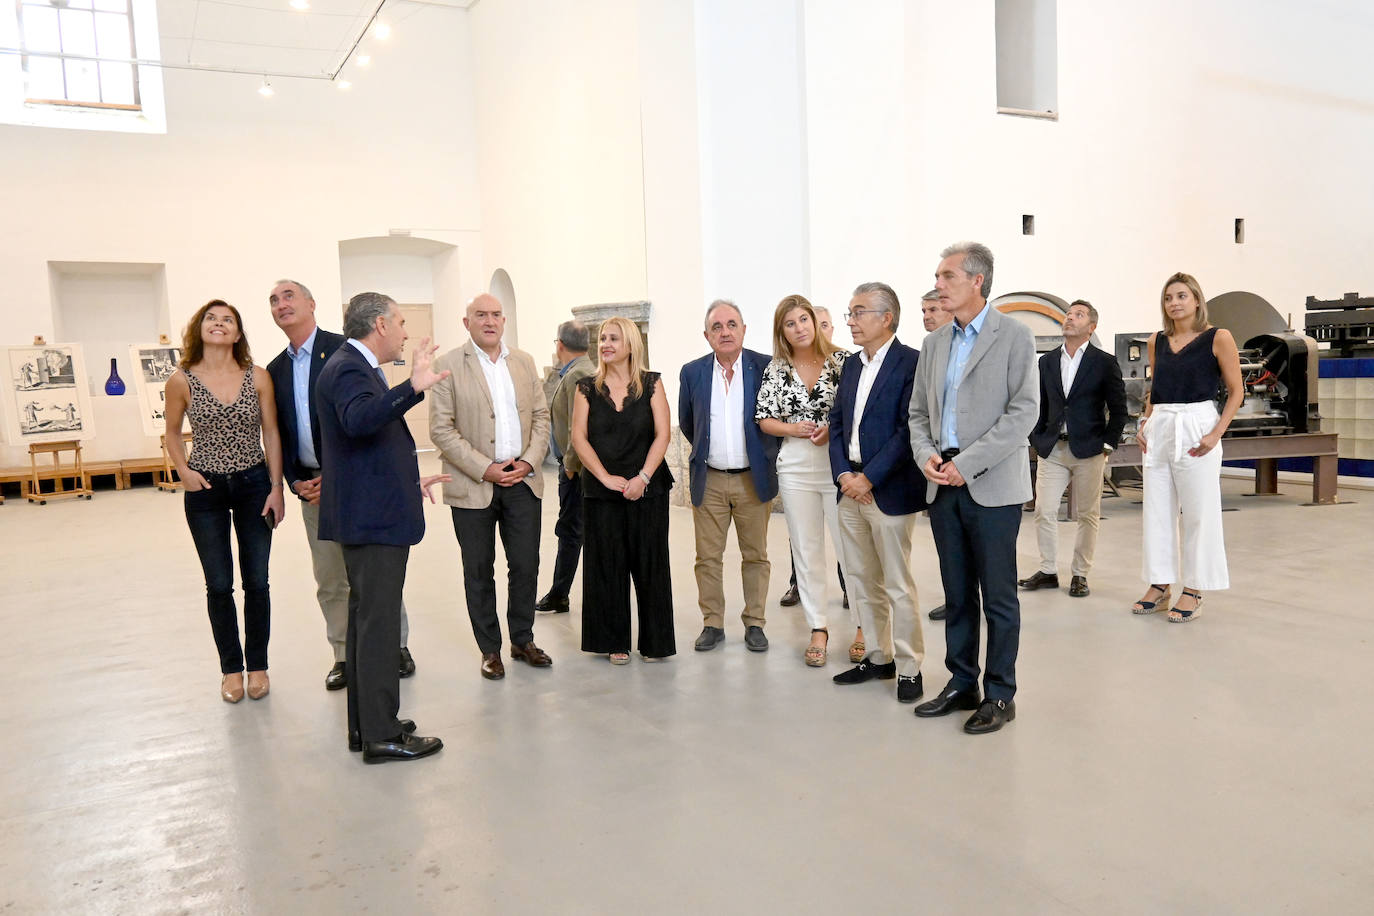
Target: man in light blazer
x=1082, y=413
x=370, y=504
x=975, y=400
x=295, y=376
x=733, y=472
x=490, y=422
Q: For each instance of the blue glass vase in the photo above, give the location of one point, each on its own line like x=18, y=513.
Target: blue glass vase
x=114, y=384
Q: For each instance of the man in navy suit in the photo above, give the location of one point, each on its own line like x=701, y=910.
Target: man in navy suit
x=370, y=504
x=880, y=491
x=295, y=373
x=733, y=472
x=1082, y=413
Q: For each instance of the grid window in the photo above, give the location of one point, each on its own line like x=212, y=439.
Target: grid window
x=79, y=52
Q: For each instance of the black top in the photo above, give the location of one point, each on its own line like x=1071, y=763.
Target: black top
x=1188, y=376
x=622, y=438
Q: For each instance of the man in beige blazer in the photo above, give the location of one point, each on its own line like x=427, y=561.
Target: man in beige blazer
x=490, y=422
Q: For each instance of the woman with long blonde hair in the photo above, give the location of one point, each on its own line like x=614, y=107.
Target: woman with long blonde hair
x=1180, y=442
x=620, y=431
x=794, y=402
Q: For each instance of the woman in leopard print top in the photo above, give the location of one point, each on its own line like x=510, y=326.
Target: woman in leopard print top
x=233, y=473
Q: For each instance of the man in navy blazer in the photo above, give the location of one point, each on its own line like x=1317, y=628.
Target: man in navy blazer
x=733, y=472
x=880, y=491
x=370, y=504
x=1082, y=413
x=295, y=375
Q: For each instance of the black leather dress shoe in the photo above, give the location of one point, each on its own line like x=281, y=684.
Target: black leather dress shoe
x=790, y=598
x=940, y=613
x=947, y=701
x=552, y=604
x=992, y=715
x=1039, y=580
x=336, y=679
x=407, y=664
x=754, y=640
x=1078, y=587
x=866, y=671
x=355, y=741
x=909, y=689
x=404, y=746
x=710, y=638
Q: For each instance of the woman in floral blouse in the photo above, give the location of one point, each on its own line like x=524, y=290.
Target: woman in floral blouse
x=794, y=402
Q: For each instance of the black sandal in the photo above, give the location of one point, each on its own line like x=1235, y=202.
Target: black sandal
x=1177, y=616
x=1153, y=607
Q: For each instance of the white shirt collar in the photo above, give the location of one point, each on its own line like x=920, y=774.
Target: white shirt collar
x=481, y=354
x=367, y=354
x=878, y=356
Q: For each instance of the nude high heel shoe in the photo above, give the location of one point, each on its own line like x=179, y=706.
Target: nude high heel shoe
x=258, y=685
x=231, y=687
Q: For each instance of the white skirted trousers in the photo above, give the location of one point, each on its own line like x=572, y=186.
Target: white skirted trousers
x=809, y=505
x=1183, y=540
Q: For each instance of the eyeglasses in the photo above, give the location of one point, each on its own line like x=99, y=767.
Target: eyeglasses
x=859, y=314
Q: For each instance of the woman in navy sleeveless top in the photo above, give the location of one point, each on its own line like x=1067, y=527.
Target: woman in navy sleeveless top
x=1180, y=442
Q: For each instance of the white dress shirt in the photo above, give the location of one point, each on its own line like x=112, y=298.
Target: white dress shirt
x=1068, y=365
x=502, y=387
x=725, y=451
x=866, y=377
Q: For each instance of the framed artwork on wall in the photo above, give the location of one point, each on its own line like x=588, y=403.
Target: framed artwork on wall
x=44, y=394
x=153, y=365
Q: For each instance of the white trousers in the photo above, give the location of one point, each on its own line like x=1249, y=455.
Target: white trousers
x=1182, y=500
x=808, y=504
x=1052, y=477
x=881, y=587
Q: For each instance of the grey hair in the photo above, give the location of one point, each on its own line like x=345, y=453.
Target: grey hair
x=931, y=296
x=722, y=303
x=887, y=296
x=305, y=290
x=977, y=260
x=363, y=311
x=1092, y=312
x=573, y=335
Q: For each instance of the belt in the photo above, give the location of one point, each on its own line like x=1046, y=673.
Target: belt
x=948, y=454
x=729, y=470
x=1063, y=437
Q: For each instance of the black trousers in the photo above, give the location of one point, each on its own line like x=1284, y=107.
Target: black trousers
x=376, y=578
x=568, y=530
x=627, y=541
x=977, y=548
x=515, y=511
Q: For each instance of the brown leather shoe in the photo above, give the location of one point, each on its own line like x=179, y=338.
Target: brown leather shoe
x=1078, y=587
x=492, y=669
x=258, y=685
x=531, y=653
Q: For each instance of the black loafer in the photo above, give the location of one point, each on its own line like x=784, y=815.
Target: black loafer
x=940, y=613
x=991, y=716
x=355, y=743
x=947, y=701
x=909, y=689
x=790, y=598
x=404, y=746
x=552, y=604
x=710, y=638
x=336, y=679
x=1078, y=587
x=1039, y=580
x=407, y=664
x=866, y=671
x=754, y=640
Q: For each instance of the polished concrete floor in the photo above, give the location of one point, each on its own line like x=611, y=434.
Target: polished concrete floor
x=1217, y=767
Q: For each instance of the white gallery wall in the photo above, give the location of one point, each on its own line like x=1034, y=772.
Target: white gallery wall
x=244, y=190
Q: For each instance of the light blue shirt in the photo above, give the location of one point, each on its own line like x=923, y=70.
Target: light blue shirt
x=371, y=360
x=960, y=348
x=300, y=381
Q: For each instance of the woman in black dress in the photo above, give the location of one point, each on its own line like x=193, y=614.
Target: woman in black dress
x=620, y=430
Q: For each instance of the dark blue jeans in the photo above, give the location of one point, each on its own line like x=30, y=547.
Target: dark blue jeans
x=240, y=497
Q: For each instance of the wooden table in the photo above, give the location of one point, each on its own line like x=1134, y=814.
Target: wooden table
x=1266, y=452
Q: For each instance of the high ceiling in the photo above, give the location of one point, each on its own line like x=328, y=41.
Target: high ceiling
x=270, y=37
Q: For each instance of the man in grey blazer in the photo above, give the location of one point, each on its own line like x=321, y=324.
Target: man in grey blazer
x=974, y=402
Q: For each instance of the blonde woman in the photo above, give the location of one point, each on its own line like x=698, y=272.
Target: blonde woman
x=620, y=431
x=795, y=399
x=233, y=474
x=1180, y=440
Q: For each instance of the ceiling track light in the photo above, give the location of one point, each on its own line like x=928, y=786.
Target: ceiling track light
x=381, y=31
x=266, y=90
x=343, y=84
x=363, y=60
x=301, y=5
